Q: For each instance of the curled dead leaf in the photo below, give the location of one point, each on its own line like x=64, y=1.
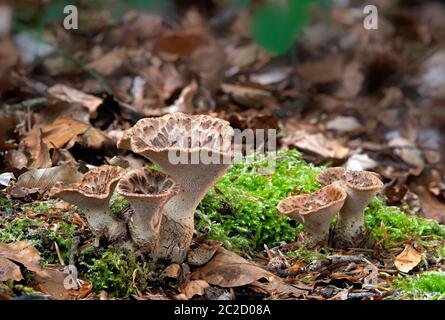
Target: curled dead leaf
x=408, y=259
x=228, y=270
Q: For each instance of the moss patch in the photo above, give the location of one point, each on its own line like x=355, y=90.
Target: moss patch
x=116, y=271
x=241, y=210
x=428, y=285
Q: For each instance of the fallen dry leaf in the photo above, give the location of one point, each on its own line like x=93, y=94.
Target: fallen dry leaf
x=71, y=95
x=109, y=62
x=179, y=44
x=41, y=180
x=318, y=144
x=407, y=259
x=22, y=252
x=228, y=270
x=432, y=208
x=192, y=288
x=249, y=97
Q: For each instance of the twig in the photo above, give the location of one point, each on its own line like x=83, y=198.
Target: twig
x=30, y=103
x=58, y=254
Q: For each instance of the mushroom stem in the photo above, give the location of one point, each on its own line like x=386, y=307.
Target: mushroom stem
x=147, y=192
x=361, y=187
x=145, y=223
x=178, y=223
x=350, y=227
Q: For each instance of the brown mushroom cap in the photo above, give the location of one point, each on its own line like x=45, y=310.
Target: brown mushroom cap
x=315, y=211
x=92, y=195
x=357, y=180
x=178, y=131
x=147, y=184
x=311, y=203
x=96, y=183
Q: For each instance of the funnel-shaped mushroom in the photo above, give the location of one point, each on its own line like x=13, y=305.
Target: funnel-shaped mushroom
x=195, y=151
x=362, y=187
x=147, y=191
x=92, y=196
x=315, y=211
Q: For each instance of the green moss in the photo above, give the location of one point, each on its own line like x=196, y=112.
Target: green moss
x=41, y=235
x=399, y=226
x=6, y=204
x=241, y=210
x=118, y=203
x=116, y=271
x=428, y=285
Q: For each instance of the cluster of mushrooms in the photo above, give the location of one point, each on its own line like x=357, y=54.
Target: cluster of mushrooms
x=161, y=223
x=163, y=203
x=345, y=192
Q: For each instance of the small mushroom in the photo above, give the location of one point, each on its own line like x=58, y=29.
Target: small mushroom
x=92, y=195
x=315, y=211
x=147, y=191
x=361, y=187
x=195, y=150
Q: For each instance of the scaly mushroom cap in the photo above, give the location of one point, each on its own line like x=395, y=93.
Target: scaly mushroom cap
x=92, y=195
x=96, y=183
x=315, y=211
x=331, y=196
x=357, y=180
x=147, y=184
x=178, y=131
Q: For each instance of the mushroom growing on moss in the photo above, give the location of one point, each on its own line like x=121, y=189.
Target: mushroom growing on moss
x=361, y=187
x=147, y=192
x=195, y=150
x=315, y=211
x=92, y=195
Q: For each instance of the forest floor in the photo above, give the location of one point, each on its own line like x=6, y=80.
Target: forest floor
x=340, y=96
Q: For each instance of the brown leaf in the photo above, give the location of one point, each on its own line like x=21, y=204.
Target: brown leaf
x=71, y=95
x=9, y=270
x=16, y=160
x=42, y=180
x=318, y=144
x=22, y=252
x=42, y=158
x=51, y=283
x=227, y=270
x=352, y=81
x=179, y=44
x=56, y=134
x=407, y=259
x=320, y=72
x=194, y=287
x=432, y=208
x=249, y=97
x=108, y=63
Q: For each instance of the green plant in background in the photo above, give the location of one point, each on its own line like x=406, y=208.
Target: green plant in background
x=117, y=272
x=425, y=286
x=241, y=210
